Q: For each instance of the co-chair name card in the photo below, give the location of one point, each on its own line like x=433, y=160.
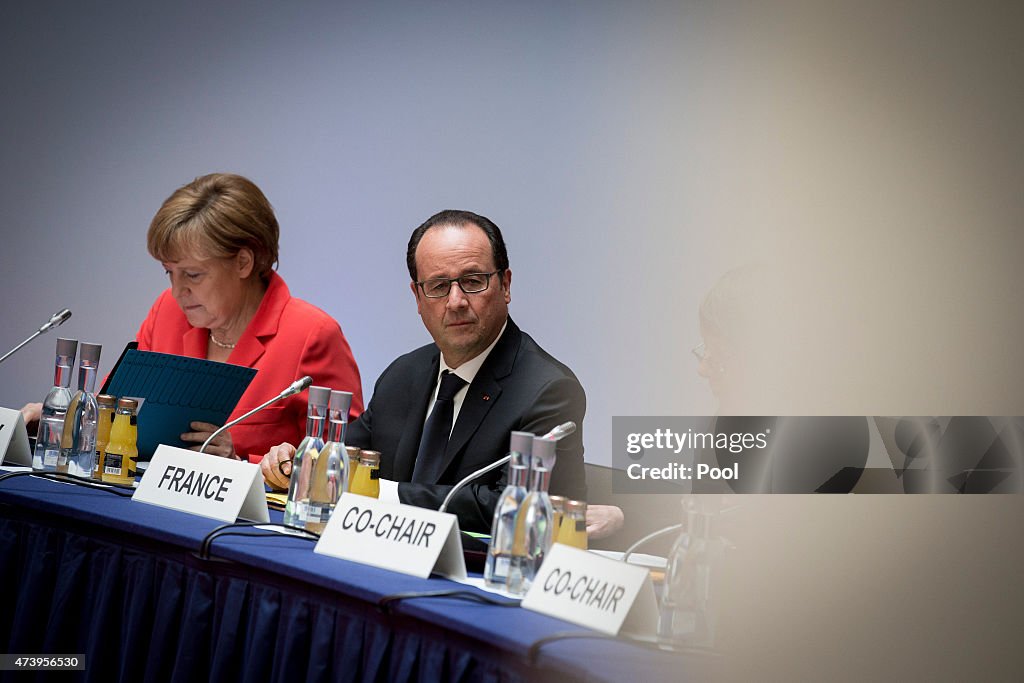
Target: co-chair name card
x=402, y=538
x=593, y=591
x=204, y=485
x=14, y=448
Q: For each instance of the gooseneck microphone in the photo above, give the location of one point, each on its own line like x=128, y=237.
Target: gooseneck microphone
x=294, y=388
x=562, y=430
x=56, y=320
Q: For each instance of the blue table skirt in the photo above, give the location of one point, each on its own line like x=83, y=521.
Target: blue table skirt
x=90, y=573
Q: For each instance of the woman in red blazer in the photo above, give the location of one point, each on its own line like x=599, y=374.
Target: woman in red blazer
x=217, y=238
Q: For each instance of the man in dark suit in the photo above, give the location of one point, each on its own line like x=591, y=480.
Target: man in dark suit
x=447, y=409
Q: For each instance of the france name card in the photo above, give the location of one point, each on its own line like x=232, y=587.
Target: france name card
x=402, y=538
x=14, y=448
x=204, y=485
x=593, y=591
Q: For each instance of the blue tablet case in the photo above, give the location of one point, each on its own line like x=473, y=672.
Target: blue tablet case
x=176, y=391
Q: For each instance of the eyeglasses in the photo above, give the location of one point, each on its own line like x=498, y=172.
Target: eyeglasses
x=470, y=283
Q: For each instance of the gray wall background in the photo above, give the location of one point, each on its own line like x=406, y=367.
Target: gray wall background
x=631, y=152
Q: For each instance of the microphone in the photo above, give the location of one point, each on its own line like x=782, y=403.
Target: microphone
x=564, y=429
x=561, y=431
x=56, y=320
x=295, y=387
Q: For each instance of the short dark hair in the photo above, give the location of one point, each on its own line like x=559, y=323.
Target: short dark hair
x=459, y=218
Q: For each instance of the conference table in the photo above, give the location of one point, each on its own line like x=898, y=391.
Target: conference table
x=131, y=587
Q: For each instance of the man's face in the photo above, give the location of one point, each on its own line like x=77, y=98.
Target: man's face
x=462, y=325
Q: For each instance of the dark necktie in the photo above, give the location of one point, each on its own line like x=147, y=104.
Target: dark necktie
x=430, y=457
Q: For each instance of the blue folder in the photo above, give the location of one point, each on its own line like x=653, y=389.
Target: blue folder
x=176, y=391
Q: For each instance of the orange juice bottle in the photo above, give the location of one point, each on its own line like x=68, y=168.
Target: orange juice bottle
x=367, y=478
x=107, y=404
x=573, y=530
x=122, y=451
x=558, y=511
x=354, y=454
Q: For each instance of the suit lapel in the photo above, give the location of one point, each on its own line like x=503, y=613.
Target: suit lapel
x=420, y=390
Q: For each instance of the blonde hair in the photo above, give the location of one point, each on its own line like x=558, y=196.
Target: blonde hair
x=216, y=216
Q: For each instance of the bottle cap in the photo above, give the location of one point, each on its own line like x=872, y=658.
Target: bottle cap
x=572, y=506
x=521, y=442
x=129, y=403
x=319, y=396
x=106, y=401
x=557, y=503
x=67, y=347
x=353, y=453
x=341, y=401
x=370, y=459
x=545, y=451
x=90, y=353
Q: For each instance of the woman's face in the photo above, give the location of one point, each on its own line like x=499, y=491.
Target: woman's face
x=209, y=290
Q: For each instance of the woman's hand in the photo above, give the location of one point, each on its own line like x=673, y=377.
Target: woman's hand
x=222, y=446
x=277, y=466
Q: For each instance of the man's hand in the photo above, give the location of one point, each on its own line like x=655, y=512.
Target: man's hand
x=277, y=466
x=604, y=520
x=221, y=446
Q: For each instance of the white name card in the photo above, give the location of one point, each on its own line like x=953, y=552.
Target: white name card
x=203, y=485
x=593, y=591
x=402, y=538
x=14, y=448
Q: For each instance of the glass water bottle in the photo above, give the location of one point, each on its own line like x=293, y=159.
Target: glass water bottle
x=78, y=442
x=55, y=408
x=503, y=528
x=330, y=471
x=298, y=487
x=533, y=522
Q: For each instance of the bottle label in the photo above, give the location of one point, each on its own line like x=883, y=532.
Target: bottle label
x=374, y=474
x=318, y=513
x=581, y=525
x=50, y=458
x=112, y=464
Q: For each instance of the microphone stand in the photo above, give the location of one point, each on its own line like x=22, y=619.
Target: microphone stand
x=562, y=430
x=296, y=387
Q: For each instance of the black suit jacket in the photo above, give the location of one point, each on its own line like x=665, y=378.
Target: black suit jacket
x=520, y=387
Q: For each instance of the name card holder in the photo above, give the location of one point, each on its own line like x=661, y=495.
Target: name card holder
x=593, y=591
x=14, y=448
x=204, y=485
x=402, y=538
